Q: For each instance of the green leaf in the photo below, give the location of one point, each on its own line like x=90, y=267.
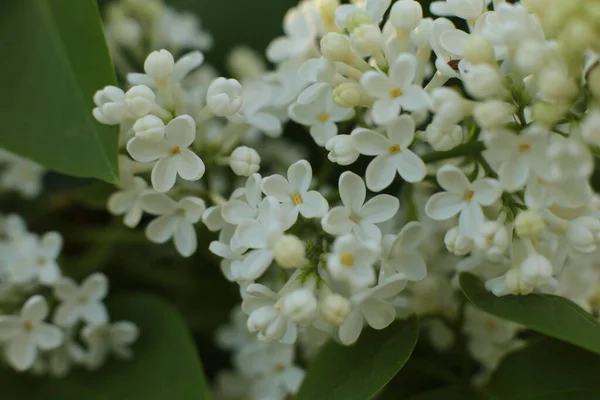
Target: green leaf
x=359, y=371
x=547, y=370
x=449, y=393
x=55, y=59
x=548, y=314
x=165, y=364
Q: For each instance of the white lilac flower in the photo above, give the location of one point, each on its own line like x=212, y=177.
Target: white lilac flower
x=462, y=197
x=321, y=72
x=396, y=90
x=372, y=305
x=352, y=260
x=293, y=193
x=257, y=98
x=22, y=335
x=21, y=175
x=264, y=316
x=401, y=254
x=162, y=71
x=300, y=31
x=375, y=9
x=126, y=201
x=83, y=302
x=104, y=339
x=175, y=220
x=172, y=155
x=224, y=97
x=392, y=153
x=355, y=215
x=244, y=208
x=321, y=116
x=342, y=150
x=230, y=258
x=35, y=257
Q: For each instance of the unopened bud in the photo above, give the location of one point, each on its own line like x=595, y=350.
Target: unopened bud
x=367, y=39
x=149, y=127
x=529, y=224
x=140, y=100
x=406, y=15
x=478, y=50
x=336, y=47
x=289, y=252
x=224, y=97
x=347, y=94
x=244, y=161
x=300, y=306
x=334, y=309
x=159, y=65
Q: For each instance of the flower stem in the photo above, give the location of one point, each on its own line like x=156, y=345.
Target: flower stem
x=472, y=149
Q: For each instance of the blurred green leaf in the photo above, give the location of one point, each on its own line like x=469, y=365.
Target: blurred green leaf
x=56, y=58
x=359, y=371
x=449, y=393
x=548, y=314
x=547, y=370
x=165, y=364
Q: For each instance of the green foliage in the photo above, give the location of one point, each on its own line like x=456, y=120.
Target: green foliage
x=547, y=370
x=449, y=393
x=358, y=372
x=55, y=59
x=165, y=365
x=548, y=314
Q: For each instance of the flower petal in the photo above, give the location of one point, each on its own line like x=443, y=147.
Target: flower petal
x=352, y=190
x=189, y=165
x=185, y=238
x=314, y=205
x=513, y=173
x=378, y=313
x=21, y=352
x=410, y=237
x=145, y=151
x=442, y=206
x=376, y=84
x=181, y=131
x=409, y=166
x=487, y=191
x=411, y=265
x=193, y=208
x=237, y=211
x=470, y=220
x=95, y=287
x=380, y=208
x=278, y=187
x=251, y=234
x=255, y=264
x=415, y=98
x=453, y=180
x=35, y=309
x=321, y=133
x=402, y=71
x=47, y=336
x=265, y=122
x=164, y=174
x=299, y=175
x=337, y=221
x=369, y=143
x=158, y=203
x=351, y=327
x=96, y=313
x=381, y=172
x=385, y=110
x=161, y=229
x=401, y=131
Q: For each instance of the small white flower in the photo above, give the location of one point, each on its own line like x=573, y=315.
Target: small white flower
x=224, y=97
x=256, y=110
x=321, y=116
x=159, y=65
x=401, y=254
x=24, y=334
x=261, y=304
x=300, y=33
x=352, y=260
x=342, y=150
x=21, y=175
x=162, y=72
x=443, y=137
x=583, y=234
x=373, y=306
x=244, y=161
x=367, y=39
x=392, y=153
x=238, y=210
x=289, y=252
x=355, y=215
x=110, y=106
x=140, y=101
x=396, y=90
x=82, y=302
x=374, y=9
x=493, y=239
x=406, y=14
x=36, y=258
x=127, y=201
x=176, y=220
x=174, y=157
x=300, y=306
x=230, y=259
x=293, y=193
x=105, y=339
x=321, y=72
x=456, y=243
x=464, y=197
x=334, y=309
x=149, y=127
x=465, y=9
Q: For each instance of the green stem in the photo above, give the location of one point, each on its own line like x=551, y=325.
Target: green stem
x=472, y=149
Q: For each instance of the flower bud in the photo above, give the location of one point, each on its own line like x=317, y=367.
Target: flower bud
x=244, y=161
x=289, y=252
x=493, y=113
x=149, y=127
x=406, y=15
x=159, y=65
x=478, y=50
x=357, y=19
x=583, y=234
x=111, y=108
x=140, y=100
x=327, y=8
x=529, y=224
x=334, y=309
x=514, y=284
x=336, y=47
x=590, y=127
x=593, y=81
x=300, y=306
x=483, y=81
x=456, y=243
x=268, y=321
x=342, y=150
x=347, y=94
x=367, y=39
x=530, y=56
x=536, y=271
x=443, y=137
x=493, y=239
x=555, y=84
x=224, y=97
x=448, y=105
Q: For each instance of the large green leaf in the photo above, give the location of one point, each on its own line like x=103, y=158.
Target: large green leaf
x=548, y=314
x=165, y=365
x=358, y=372
x=547, y=370
x=55, y=58
x=449, y=393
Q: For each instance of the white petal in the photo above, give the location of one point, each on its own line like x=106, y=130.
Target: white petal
x=124, y=332
x=52, y=244
x=278, y=49
x=410, y=237
x=305, y=114
x=470, y=220
x=65, y=289
x=414, y=98
x=181, y=131
x=337, y=221
x=47, y=336
x=255, y=264
x=96, y=313
x=35, y=309
x=342, y=12
x=120, y=202
x=251, y=234
x=453, y=40
x=380, y=173
x=21, y=352
x=487, y=191
x=95, y=287
x=352, y=190
x=369, y=143
x=380, y=208
x=513, y=173
x=311, y=93
x=49, y=273
x=291, y=334
x=146, y=151
x=299, y=175
x=164, y=174
x=453, y=180
x=158, y=204
x=292, y=378
x=237, y=211
x=185, y=238
x=442, y=206
x=401, y=131
x=409, y=166
x=189, y=166
x=278, y=187
x=10, y=326
x=351, y=328
x=379, y=314
x=67, y=314
x=376, y=84
x=385, y=110
x=321, y=133
x=314, y=205
x=377, y=8
x=411, y=265
x=133, y=217
x=266, y=123
x=213, y=218
x=194, y=208
x=402, y=71
x=161, y=229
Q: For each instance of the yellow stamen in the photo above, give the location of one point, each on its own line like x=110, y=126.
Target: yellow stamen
x=28, y=325
x=42, y=261
x=524, y=147
x=396, y=92
x=353, y=219
x=469, y=195
x=297, y=199
x=175, y=150
x=395, y=149
x=347, y=259
x=323, y=118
